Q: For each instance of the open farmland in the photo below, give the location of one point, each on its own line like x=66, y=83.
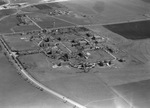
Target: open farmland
x=42, y=69
x=138, y=92
x=55, y=5
x=46, y=21
x=75, y=18
x=132, y=30
x=10, y=24
x=16, y=92
x=87, y=53
x=30, y=9
x=25, y=28
x=70, y=85
x=7, y=12
x=25, y=1
x=2, y=2
x=137, y=55
x=7, y=24
x=43, y=6
x=102, y=11
x=147, y=1
x=53, y=23
x=19, y=42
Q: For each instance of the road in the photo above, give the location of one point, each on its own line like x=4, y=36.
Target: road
x=34, y=22
x=13, y=57
x=10, y=5
x=118, y=22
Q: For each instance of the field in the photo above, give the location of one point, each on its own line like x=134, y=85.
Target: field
x=2, y=2
x=55, y=5
x=30, y=9
x=40, y=65
x=17, y=43
x=25, y=28
x=77, y=19
x=147, y=1
x=117, y=85
x=133, y=30
x=46, y=21
x=102, y=11
x=131, y=80
x=7, y=24
x=43, y=6
x=137, y=92
x=24, y=1
x=137, y=55
x=70, y=85
x=7, y=12
x=17, y=93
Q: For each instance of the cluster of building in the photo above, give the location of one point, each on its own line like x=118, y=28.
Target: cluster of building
x=72, y=52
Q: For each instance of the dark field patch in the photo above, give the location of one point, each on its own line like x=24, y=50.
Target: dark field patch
x=56, y=5
x=7, y=24
x=6, y=12
x=2, y=2
x=133, y=30
x=147, y=1
x=43, y=7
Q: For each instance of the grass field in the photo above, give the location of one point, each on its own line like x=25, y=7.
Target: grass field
x=43, y=6
x=15, y=92
x=16, y=43
x=102, y=87
x=53, y=23
x=40, y=65
x=138, y=92
x=46, y=21
x=25, y=1
x=102, y=11
x=30, y=9
x=137, y=55
x=75, y=86
x=8, y=23
x=133, y=30
x=25, y=28
x=6, y=12
x=2, y=2
x=76, y=19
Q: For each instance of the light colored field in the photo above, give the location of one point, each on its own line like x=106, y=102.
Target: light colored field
x=75, y=18
x=17, y=93
x=135, y=52
x=7, y=23
x=83, y=88
x=25, y=28
x=106, y=11
x=46, y=21
x=17, y=43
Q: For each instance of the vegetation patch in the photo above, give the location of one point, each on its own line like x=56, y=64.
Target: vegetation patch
x=133, y=30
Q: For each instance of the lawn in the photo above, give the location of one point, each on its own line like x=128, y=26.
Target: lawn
x=16, y=43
